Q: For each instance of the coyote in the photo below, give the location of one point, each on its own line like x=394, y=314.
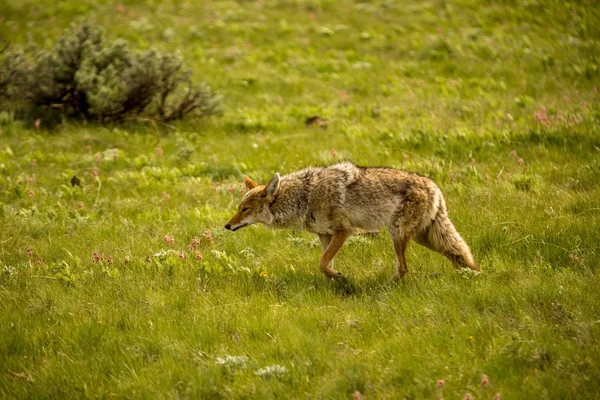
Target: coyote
x=343, y=199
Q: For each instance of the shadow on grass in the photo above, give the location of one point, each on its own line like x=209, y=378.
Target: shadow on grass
x=289, y=285
x=345, y=287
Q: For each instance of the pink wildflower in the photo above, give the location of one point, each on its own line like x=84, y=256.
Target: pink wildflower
x=513, y=154
x=333, y=153
x=159, y=152
x=182, y=254
x=467, y=396
x=542, y=117
x=30, y=252
x=169, y=239
x=198, y=255
x=110, y=260
x=38, y=123
x=231, y=188
x=95, y=171
x=31, y=193
x=521, y=161
x=207, y=235
x=574, y=119
x=440, y=383
x=484, y=380
x=166, y=196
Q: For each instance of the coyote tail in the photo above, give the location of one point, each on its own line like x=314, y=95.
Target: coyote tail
x=442, y=236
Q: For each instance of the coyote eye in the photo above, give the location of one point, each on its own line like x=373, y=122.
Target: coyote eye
x=245, y=209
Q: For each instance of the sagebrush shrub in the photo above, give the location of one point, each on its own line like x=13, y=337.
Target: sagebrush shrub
x=85, y=77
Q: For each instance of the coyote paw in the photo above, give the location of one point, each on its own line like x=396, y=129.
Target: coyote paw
x=396, y=278
x=340, y=277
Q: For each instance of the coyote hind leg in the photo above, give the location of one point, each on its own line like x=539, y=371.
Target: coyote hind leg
x=400, y=241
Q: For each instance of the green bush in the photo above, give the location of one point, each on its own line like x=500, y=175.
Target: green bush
x=85, y=77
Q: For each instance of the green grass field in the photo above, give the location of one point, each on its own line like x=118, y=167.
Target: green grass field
x=130, y=287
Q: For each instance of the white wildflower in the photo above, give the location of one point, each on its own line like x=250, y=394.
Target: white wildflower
x=272, y=370
x=232, y=361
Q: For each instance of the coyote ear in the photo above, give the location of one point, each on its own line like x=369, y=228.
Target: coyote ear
x=250, y=184
x=272, y=186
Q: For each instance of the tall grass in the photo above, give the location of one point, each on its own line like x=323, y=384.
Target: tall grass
x=128, y=285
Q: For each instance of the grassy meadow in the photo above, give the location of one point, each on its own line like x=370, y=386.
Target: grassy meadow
x=128, y=286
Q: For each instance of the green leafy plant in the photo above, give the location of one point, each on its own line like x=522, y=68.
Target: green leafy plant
x=85, y=77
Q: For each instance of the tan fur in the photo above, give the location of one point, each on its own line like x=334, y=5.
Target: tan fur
x=339, y=200
x=250, y=184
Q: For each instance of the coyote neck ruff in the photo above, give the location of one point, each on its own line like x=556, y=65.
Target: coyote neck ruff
x=342, y=199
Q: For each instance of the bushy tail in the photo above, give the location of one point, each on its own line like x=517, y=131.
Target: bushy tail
x=442, y=236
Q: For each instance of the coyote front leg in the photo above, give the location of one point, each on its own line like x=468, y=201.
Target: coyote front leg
x=331, y=245
x=325, y=240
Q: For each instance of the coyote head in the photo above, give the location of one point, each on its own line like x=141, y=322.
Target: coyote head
x=254, y=206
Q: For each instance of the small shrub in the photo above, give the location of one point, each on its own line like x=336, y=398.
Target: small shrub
x=85, y=77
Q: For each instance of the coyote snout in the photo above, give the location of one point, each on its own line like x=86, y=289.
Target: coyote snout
x=229, y=227
x=337, y=201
